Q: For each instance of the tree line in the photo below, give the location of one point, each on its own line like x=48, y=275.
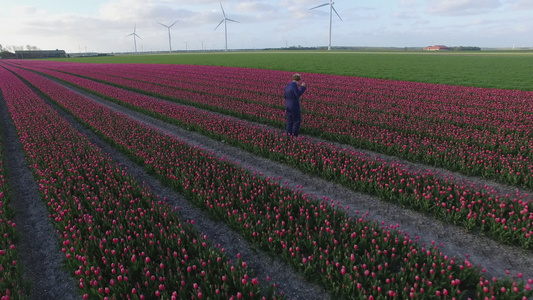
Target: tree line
x=13, y=48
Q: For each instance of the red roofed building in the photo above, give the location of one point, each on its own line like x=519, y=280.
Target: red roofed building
x=436, y=48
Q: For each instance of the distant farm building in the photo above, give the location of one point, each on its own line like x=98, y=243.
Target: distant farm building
x=28, y=54
x=436, y=48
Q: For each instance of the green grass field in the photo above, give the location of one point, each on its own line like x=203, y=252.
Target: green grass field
x=491, y=69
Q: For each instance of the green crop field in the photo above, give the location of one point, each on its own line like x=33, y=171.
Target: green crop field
x=490, y=69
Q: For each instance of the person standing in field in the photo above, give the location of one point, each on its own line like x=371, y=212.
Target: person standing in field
x=292, y=104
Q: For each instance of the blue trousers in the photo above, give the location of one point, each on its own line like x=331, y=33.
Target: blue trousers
x=294, y=119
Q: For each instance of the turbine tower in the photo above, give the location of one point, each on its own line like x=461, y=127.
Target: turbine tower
x=331, y=10
x=168, y=27
x=225, y=25
x=134, y=37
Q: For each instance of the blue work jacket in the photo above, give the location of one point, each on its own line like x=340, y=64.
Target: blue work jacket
x=292, y=95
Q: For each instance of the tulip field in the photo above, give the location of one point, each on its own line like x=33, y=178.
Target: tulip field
x=120, y=241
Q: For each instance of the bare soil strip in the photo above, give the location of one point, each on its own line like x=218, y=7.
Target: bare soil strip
x=497, y=259
x=40, y=254
x=218, y=233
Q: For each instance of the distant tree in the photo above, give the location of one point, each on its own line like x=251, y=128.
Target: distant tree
x=466, y=48
x=13, y=48
x=32, y=48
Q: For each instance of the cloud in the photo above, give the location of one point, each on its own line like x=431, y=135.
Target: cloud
x=406, y=15
x=24, y=10
x=254, y=7
x=461, y=7
x=125, y=9
x=521, y=4
x=408, y=3
x=359, y=14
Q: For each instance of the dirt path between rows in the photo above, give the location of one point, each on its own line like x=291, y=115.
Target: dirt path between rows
x=456, y=241
x=38, y=246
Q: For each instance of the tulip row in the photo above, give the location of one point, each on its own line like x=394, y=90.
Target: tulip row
x=11, y=284
x=507, y=219
x=119, y=240
x=352, y=258
x=488, y=136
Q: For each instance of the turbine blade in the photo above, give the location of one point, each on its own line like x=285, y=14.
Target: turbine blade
x=336, y=12
x=319, y=6
x=219, y=24
x=223, y=12
x=173, y=23
x=138, y=36
x=232, y=20
x=161, y=24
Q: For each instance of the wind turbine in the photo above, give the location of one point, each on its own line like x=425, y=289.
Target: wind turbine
x=168, y=27
x=225, y=25
x=331, y=10
x=134, y=36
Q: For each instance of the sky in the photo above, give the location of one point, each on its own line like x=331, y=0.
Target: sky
x=106, y=26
